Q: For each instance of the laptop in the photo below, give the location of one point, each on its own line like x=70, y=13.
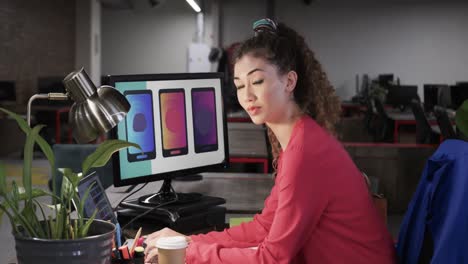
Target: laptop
x=97, y=198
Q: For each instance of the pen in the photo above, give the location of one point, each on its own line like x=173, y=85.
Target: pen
x=135, y=241
x=119, y=235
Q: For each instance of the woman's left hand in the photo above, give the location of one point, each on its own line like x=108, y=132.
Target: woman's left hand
x=151, y=251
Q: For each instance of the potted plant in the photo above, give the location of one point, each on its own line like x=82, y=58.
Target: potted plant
x=55, y=237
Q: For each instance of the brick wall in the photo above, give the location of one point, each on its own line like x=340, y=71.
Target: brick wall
x=37, y=38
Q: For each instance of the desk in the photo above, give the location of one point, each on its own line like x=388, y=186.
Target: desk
x=403, y=118
x=400, y=118
x=407, y=118
x=244, y=192
x=247, y=144
x=349, y=107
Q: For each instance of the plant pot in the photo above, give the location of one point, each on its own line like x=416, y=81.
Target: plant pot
x=94, y=249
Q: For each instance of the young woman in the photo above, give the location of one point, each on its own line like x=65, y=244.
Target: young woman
x=319, y=210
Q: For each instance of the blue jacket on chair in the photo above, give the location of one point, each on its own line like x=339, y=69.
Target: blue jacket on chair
x=440, y=206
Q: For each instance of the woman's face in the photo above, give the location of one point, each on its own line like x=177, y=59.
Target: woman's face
x=261, y=90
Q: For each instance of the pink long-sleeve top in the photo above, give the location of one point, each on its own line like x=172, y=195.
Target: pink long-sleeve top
x=319, y=211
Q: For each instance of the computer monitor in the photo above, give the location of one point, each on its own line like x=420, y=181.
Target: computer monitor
x=445, y=97
x=385, y=80
x=401, y=95
x=459, y=93
x=180, y=124
x=434, y=94
x=7, y=92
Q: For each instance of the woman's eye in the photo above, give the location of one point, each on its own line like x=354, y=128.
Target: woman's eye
x=240, y=87
x=258, y=82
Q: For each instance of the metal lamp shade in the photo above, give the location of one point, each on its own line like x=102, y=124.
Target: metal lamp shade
x=95, y=111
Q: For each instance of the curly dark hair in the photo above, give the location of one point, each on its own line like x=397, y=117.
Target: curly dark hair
x=313, y=93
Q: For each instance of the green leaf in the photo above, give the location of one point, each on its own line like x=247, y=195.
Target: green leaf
x=3, y=209
x=46, y=233
x=461, y=118
x=28, y=156
x=82, y=202
x=103, y=153
x=21, y=122
x=15, y=193
x=45, y=147
x=85, y=228
x=35, y=193
x=17, y=217
x=60, y=221
x=69, y=182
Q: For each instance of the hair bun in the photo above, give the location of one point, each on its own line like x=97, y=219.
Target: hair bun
x=264, y=25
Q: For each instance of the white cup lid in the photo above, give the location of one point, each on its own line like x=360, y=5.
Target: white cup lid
x=174, y=242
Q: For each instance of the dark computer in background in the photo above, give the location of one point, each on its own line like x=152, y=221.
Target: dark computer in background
x=459, y=93
x=385, y=80
x=7, y=93
x=179, y=122
x=434, y=94
x=51, y=84
x=400, y=96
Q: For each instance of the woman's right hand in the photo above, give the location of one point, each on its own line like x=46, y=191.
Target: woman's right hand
x=151, y=251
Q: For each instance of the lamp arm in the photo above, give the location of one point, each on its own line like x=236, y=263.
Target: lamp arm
x=49, y=96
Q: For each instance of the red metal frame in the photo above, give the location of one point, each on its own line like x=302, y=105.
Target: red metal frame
x=396, y=129
x=57, y=125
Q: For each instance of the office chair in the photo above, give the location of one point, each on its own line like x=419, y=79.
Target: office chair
x=433, y=229
x=385, y=125
x=72, y=156
x=424, y=134
x=446, y=128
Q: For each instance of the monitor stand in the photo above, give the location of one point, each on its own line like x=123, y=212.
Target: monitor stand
x=191, y=177
x=167, y=195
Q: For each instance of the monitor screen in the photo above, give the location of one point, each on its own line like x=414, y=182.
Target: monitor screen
x=7, y=91
x=459, y=93
x=385, y=80
x=401, y=95
x=434, y=95
x=177, y=119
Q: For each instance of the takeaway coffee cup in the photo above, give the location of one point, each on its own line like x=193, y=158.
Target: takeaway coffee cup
x=171, y=250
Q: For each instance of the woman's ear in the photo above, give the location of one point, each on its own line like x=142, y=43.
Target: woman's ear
x=291, y=81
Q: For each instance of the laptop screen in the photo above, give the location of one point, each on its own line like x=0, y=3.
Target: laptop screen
x=97, y=199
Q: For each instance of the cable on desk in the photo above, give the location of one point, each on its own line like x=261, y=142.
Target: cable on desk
x=149, y=210
x=128, y=195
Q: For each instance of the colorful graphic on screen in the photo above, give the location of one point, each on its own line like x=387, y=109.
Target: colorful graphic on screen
x=139, y=125
x=204, y=119
x=173, y=122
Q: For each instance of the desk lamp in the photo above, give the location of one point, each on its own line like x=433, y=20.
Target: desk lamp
x=95, y=111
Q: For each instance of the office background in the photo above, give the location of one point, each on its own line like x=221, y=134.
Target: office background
x=420, y=41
